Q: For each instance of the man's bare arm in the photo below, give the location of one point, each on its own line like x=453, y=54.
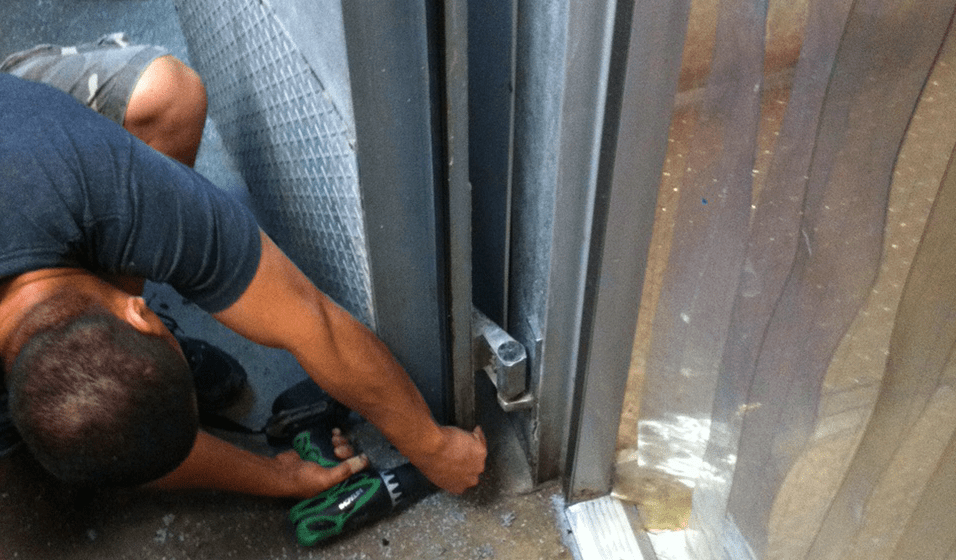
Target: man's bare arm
x=281, y=308
x=214, y=464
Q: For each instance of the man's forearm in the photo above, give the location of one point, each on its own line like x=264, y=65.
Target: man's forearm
x=356, y=368
x=214, y=464
x=371, y=382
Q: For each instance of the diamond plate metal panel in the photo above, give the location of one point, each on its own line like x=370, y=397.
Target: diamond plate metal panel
x=290, y=142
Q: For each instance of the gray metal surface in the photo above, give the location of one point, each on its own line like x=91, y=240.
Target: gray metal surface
x=491, y=86
x=317, y=29
x=334, y=119
x=293, y=146
x=397, y=100
x=603, y=531
x=457, y=201
x=643, y=77
x=564, y=54
x=539, y=82
x=503, y=358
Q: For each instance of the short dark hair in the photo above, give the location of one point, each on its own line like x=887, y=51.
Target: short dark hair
x=99, y=403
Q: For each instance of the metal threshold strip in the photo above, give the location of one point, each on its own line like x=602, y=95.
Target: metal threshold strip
x=608, y=529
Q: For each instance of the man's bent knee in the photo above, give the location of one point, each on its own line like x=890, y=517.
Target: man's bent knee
x=167, y=109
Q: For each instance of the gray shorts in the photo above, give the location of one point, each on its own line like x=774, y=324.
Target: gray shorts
x=101, y=74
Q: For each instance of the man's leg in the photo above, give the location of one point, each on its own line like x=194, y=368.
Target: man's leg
x=151, y=93
x=167, y=109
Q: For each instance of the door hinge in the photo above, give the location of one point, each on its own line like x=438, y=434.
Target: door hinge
x=504, y=359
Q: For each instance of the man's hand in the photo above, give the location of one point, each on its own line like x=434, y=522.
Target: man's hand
x=457, y=462
x=309, y=479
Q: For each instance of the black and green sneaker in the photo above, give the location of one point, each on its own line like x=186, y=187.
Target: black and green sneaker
x=219, y=378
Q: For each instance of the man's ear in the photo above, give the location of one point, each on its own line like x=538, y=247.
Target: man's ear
x=137, y=314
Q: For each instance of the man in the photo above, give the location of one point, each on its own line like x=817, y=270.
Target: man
x=97, y=385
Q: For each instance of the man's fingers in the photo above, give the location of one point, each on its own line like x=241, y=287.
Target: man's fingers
x=461, y=462
x=480, y=435
x=355, y=464
x=345, y=469
x=344, y=451
x=342, y=447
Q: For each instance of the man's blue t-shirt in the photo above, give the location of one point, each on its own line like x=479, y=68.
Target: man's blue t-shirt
x=77, y=190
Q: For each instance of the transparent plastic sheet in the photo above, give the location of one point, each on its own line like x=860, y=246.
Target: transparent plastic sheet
x=690, y=321
x=749, y=375
x=773, y=239
x=904, y=463
x=892, y=51
x=877, y=78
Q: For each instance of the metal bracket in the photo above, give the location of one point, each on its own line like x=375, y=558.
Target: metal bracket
x=505, y=361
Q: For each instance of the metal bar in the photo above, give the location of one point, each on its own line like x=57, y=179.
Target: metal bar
x=564, y=51
x=539, y=80
x=458, y=204
x=397, y=144
x=602, y=531
x=644, y=70
x=505, y=361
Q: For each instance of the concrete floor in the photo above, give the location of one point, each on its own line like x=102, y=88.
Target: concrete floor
x=504, y=518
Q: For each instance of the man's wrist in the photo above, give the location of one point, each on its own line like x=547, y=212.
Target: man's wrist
x=429, y=444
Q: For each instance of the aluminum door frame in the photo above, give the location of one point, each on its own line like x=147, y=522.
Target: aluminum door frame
x=650, y=38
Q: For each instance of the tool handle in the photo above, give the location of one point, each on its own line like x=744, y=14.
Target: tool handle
x=362, y=499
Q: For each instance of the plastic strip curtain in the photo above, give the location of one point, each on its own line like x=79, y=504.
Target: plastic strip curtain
x=774, y=341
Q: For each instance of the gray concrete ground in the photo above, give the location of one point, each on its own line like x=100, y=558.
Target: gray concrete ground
x=505, y=518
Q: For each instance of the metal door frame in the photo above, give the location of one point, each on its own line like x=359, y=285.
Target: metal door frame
x=646, y=56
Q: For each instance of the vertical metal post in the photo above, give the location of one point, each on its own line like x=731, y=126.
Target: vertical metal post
x=458, y=204
x=396, y=92
x=645, y=63
x=561, y=92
